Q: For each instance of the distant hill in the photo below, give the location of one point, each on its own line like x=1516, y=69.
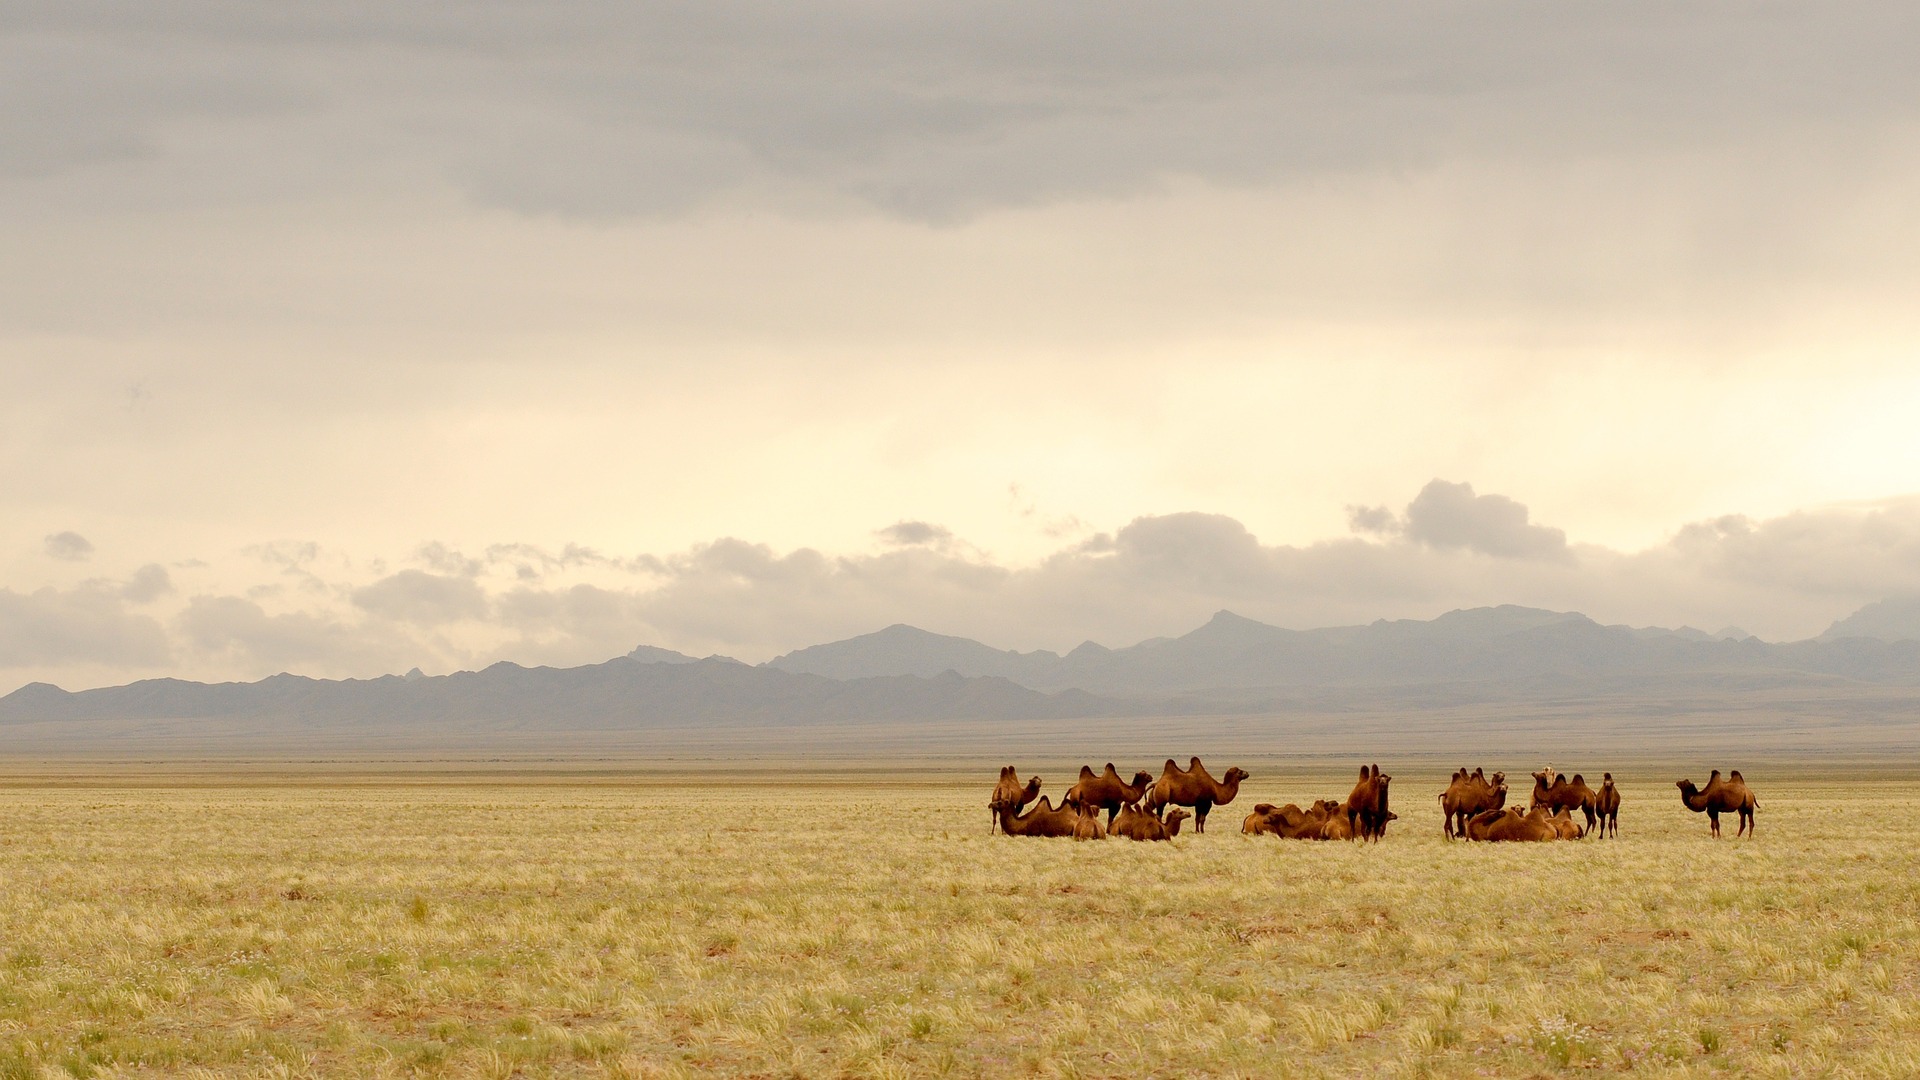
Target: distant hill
x=908, y=650
x=619, y=693
x=1505, y=650
x=1471, y=666
x=1896, y=618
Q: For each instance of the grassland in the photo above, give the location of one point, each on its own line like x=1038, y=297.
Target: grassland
x=776, y=927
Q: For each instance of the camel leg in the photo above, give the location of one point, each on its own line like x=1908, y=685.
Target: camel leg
x=1588, y=810
x=1200, y=815
x=1111, y=812
x=1713, y=819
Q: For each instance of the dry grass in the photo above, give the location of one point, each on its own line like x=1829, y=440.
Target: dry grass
x=785, y=930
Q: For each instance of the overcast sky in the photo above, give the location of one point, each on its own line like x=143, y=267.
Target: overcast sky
x=345, y=337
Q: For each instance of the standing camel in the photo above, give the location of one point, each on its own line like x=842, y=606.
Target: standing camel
x=1719, y=797
x=1367, y=804
x=1193, y=786
x=1107, y=791
x=1469, y=794
x=1606, y=805
x=1556, y=792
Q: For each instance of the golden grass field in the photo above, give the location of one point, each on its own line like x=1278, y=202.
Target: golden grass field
x=780, y=927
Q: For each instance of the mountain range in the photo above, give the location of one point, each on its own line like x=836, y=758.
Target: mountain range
x=1230, y=666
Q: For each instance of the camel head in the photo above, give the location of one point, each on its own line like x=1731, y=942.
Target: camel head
x=1544, y=777
x=1606, y=779
x=1235, y=775
x=1174, y=818
x=1033, y=786
x=1686, y=787
x=1499, y=779
x=1142, y=779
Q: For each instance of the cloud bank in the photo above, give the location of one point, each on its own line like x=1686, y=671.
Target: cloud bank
x=1786, y=577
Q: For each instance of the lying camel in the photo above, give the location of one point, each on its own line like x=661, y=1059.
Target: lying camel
x=1478, y=824
x=1338, y=827
x=1008, y=792
x=1469, y=794
x=1719, y=797
x=1559, y=793
x=1086, y=822
x=1512, y=825
x=1289, y=822
x=1606, y=804
x=1260, y=821
x=1042, y=820
x=1367, y=804
x=1107, y=791
x=1193, y=786
x=1564, y=825
x=1136, y=824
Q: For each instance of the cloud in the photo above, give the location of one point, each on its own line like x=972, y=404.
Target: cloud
x=1783, y=577
x=415, y=596
x=89, y=625
x=149, y=583
x=914, y=533
x=929, y=111
x=69, y=547
x=1449, y=516
x=238, y=635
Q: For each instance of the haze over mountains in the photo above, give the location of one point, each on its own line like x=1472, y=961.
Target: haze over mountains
x=1500, y=659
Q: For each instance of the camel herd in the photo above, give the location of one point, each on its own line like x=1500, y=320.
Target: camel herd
x=1473, y=807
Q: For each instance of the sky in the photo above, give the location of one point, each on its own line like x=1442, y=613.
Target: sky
x=344, y=338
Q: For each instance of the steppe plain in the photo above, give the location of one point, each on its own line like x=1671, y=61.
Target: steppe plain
x=618, y=920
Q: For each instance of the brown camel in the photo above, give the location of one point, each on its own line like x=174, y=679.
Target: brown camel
x=1008, y=792
x=1107, y=791
x=1338, y=827
x=1559, y=793
x=1261, y=821
x=1606, y=805
x=1289, y=822
x=1478, y=824
x=1564, y=825
x=1086, y=822
x=1042, y=820
x=1136, y=824
x=1194, y=787
x=1469, y=794
x=1719, y=797
x=1513, y=825
x=1367, y=804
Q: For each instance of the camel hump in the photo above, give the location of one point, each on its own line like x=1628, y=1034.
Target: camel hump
x=1606, y=778
x=1086, y=772
x=1172, y=765
x=1737, y=776
x=1193, y=765
x=1578, y=779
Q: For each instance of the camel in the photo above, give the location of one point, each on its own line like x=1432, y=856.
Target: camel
x=1042, y=820
x=1193, y=787
x=1338, y=827
x=1107, y=791
x=1564, y=825
x=1136, y=824
x=1469, y=794
x=1558, y=793
x=1606, y=806
x=1008, y=792
x=1086, y=822
x=1513, y=825
x=1478, y=824
x=1719, y=797
x=1260, y=821
x=1367, y=805
x=1289, y=822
